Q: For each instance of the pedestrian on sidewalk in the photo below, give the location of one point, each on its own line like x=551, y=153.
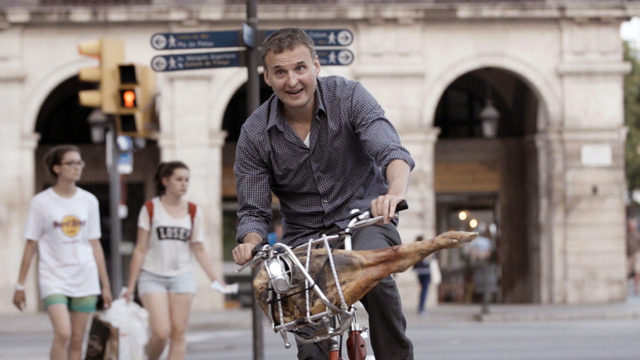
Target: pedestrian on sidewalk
x=169, y=236
x=423, y=271
x=63, y=226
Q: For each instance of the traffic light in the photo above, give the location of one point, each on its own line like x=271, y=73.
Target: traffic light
x=110, y=53
x=136, y=101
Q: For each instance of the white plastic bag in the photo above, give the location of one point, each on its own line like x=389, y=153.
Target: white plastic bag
x=133, y=328
x=434, y=269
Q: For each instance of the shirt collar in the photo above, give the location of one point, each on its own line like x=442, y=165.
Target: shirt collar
x=275, y=114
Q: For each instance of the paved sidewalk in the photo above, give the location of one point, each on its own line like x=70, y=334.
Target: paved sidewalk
x=444, y=313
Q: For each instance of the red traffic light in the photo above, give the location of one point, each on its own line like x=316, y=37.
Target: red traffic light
x=128, y=99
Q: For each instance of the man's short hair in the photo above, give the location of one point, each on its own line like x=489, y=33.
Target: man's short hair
x=286, y=39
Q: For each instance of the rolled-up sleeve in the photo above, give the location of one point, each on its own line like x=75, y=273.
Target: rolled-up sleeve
x=376, y=133
x=253, y=188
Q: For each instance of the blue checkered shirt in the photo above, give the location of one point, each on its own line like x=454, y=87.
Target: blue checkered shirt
x=351, y=144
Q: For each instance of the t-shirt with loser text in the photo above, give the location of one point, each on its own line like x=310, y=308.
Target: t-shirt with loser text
x=169, y=252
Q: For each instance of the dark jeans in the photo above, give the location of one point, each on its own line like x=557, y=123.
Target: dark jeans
x=424, y=287
x=387, y=323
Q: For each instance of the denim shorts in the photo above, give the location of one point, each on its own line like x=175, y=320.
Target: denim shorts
x=85, y=304
x=152, y=283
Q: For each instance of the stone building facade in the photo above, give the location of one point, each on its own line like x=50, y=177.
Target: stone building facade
x=552, y=181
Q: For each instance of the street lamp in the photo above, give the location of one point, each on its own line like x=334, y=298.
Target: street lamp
x=97, y=123
x=489, y=116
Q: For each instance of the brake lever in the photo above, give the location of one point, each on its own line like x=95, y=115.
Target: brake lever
x=259, y=253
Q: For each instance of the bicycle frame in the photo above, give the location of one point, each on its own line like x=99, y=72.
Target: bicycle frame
x=280, y=262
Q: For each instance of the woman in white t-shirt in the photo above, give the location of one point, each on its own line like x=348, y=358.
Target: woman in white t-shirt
x=169, y=235
x=63, y=226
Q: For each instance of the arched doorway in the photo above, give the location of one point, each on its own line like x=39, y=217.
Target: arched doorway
x=61, y=120
x=486, y=181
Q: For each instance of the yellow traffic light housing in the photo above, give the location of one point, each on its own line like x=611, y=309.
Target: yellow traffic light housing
x=136, y=101
x=110, y=53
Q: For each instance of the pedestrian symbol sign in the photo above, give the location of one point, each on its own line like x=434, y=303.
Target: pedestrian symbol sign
x=196, y=40
x=196, y=61
x=329, y=48
x=330, y=57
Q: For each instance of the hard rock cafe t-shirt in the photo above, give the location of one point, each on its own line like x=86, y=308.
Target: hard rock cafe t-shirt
x=63, y=227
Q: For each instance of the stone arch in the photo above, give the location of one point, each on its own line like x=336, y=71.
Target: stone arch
x=538, y=82
x=225, y=86
x=43, y=87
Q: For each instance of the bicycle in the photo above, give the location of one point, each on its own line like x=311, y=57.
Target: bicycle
x=281, y=264
x=283, y=280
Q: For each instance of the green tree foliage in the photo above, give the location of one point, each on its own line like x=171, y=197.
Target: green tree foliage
x=632, y=117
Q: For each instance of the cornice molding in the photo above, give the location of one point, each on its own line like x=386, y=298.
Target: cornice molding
x=193, y=14
x=594, y=68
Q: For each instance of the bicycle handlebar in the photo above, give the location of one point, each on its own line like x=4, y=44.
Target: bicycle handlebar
x=260, y=251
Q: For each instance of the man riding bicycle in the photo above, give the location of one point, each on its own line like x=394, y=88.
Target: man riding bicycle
x=323, y=146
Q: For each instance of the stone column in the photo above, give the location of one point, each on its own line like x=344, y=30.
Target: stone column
x=595, y=215
x=552, y=258
x=588, y=237
x=420, y=218
x=17, y=146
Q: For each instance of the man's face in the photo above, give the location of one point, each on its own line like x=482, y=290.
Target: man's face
x=292, y=75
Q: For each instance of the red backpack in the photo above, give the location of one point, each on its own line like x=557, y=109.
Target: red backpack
x=192, y=213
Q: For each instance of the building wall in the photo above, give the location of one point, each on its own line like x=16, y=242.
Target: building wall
x=406, y=55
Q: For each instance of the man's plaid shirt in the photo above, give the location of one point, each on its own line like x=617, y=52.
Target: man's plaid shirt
x=351, y=143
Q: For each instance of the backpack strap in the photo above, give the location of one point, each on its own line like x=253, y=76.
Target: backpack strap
x=149, y=205
x=192, y=215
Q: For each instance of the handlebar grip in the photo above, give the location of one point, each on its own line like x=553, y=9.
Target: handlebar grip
x=257, y=248
x=402, y=205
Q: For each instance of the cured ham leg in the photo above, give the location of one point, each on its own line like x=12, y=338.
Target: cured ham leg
x=358, y=272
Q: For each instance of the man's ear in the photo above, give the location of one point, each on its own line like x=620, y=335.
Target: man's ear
x=316, y=65
x=266, y=77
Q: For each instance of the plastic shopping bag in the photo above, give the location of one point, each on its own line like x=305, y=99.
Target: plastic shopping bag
x=103, y=340
x=133, y=328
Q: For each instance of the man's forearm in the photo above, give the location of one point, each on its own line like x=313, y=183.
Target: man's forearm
x=252, y=238
x=398, y=175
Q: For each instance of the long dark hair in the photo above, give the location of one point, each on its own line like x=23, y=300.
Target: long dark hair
x=54, y=157
x=164, y=170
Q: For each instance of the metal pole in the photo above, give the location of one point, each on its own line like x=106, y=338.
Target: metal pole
x=112, y=153
x=253, y=101
x=253, y=84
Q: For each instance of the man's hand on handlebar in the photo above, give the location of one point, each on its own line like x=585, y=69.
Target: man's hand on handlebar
x=385, y=205
x=242, y=253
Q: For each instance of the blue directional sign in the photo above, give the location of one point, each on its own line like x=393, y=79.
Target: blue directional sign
x=234, y=38
x=196, y=61
x=333, y=57
x=326, y=37
x=196, y=40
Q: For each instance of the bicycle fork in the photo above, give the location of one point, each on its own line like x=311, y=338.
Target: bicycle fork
x=356, y=347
